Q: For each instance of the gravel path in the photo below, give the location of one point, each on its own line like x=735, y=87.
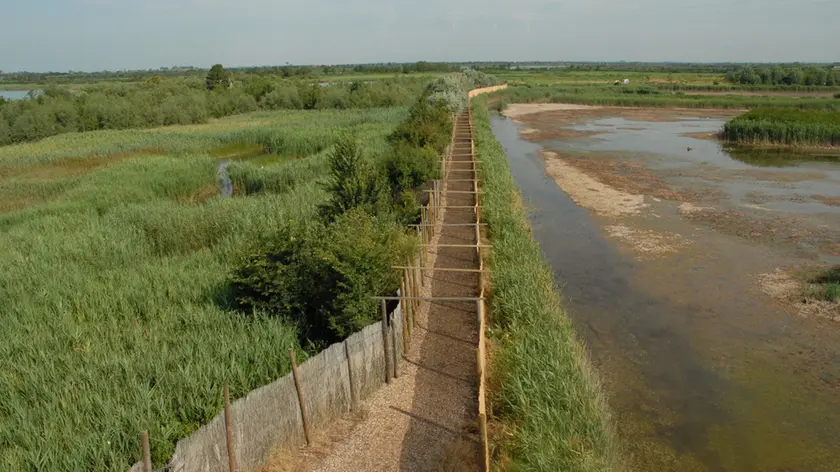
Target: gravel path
x=425, y=419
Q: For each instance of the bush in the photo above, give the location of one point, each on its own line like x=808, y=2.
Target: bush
x=283, y=97
x=353, y=182
x=429, y=125
x=409, y=167
x=837, y=95
x=323, y=277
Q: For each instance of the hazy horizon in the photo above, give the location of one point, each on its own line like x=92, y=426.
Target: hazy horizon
x=96, y=35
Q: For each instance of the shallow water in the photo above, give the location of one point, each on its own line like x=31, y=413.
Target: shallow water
x=14, y=94
x=793, y=176
x=225, y=184
x=699, y=376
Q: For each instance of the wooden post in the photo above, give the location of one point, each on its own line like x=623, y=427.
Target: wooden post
x=229, y=432
x=304, y=414
x=394, y=353
x=478, y=240
x=147, y=454
x=404, y=313
x=415, y=291
x=432, y=211
x=387, y=345
x=350, y=376
x=485, y=446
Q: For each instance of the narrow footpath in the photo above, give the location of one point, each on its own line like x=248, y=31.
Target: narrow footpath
x=426, y=419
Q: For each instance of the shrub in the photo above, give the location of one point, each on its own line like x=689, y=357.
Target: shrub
x=429, y=125
x=353, y=181
x=323, y=277
x=282, y=97
x=409, y=167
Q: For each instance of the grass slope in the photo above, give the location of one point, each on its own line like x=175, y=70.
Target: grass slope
x=548, y=402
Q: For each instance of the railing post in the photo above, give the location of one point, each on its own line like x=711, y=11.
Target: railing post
x=387, y=345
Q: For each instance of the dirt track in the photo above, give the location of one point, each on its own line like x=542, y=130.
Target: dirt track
x=425, y=419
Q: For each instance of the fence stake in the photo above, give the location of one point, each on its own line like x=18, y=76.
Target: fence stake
x=350, y=376
x=147, y=454
x=404, y=312
x=415, y=272
x=387, y=345
x=482, y=427
x=304, y=414
x=229, y=432
x=395, y=355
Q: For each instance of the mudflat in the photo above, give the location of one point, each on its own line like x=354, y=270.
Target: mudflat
x=681, y=260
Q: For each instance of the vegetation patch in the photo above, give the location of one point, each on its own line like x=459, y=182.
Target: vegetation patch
x=788, y=127
x=117, y=309
x=823, y=284
x=548, y=408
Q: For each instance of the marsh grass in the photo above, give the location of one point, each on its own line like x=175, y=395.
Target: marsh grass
x=781, y=126
x=114, y=295
x=547, y=407
x=823, y=285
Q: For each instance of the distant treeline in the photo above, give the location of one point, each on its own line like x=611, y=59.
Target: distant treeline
x=77, y=77
x=160, y=102
x=780, y=75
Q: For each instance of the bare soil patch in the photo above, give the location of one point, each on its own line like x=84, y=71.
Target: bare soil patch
x=771, y=230
x=648, y=244
x=589, y=192
x=832, y=201
x=707, y=136
x=516, y=110
x=633, y=177
x=788, y=287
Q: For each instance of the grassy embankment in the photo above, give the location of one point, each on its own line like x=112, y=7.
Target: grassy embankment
x=653, y=96
x=116, y=257
x=785, y=127
x=547, y=406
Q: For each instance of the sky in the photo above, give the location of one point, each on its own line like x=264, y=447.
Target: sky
x=92, y=35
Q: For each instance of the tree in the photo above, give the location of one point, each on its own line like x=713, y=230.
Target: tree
x=353, y=183
x=218, y=78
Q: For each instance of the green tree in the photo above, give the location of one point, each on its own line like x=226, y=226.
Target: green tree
x=778, y=75
x=218, y=78
x=794, y=77
x=354, y=183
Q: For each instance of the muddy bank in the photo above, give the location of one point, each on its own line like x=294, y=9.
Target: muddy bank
x=662, y=253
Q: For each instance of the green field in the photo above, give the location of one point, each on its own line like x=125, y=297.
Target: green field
x=117, y=252
x=786, y=127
